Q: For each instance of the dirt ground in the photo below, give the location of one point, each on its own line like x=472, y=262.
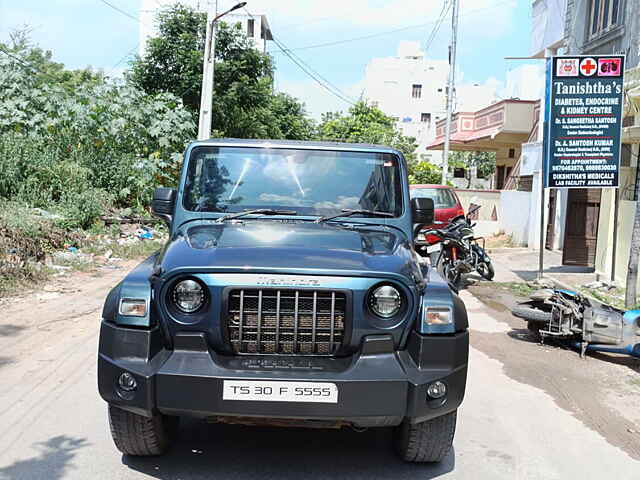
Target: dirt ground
x=48, y=338
x=602, y=390
x=34, y=321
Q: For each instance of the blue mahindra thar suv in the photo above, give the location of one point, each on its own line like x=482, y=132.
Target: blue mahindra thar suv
x=289, y=293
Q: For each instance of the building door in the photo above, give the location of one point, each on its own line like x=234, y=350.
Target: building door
x=551, y=223
x=499, y=177
x=581, y=229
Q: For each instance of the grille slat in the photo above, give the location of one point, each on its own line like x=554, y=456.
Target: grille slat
x=267, y=321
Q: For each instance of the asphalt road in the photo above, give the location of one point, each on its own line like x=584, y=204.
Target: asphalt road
x=53, y=424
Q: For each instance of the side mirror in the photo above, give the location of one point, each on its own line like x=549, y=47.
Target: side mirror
x=164, y=204
x=422, y=211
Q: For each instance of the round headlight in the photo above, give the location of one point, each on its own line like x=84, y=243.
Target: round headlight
x=188, y=296
x=385, y=301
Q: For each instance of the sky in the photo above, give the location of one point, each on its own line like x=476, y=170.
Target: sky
x=90, y=33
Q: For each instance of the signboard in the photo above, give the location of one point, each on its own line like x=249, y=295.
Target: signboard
x=584, y=121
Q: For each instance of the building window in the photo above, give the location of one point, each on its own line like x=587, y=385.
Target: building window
x=416, y=91
x=425, y=117
x=604, y=15
x=251, y=23
x=459, y=172
x=512, y=153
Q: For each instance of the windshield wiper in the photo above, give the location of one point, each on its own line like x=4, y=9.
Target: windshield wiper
x=262, y=211
x=347, y=213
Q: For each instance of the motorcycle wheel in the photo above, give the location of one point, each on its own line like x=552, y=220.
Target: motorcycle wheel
x=531, y=314
x=486, y=270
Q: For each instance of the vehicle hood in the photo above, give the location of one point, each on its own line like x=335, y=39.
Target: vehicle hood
x=300, y=247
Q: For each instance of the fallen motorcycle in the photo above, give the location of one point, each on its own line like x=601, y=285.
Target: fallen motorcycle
x=458, y=252
x=582, y=322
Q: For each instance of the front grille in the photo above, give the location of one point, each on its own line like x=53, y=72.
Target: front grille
x=286, y=321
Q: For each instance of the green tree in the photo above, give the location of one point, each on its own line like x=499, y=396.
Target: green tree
x=483, y=162
x=43, y=69
x=424, y=173
x=366, y=123
x=244, y=104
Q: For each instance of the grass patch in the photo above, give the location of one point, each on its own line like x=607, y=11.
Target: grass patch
x=520, y=289
x=613, y=297
x=32, y=275
x=143, y=248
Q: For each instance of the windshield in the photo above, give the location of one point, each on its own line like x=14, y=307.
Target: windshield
x=309, y=182
x=442, y=197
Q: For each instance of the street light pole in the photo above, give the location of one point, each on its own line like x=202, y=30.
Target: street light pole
x=450, y=91
x=206, y=94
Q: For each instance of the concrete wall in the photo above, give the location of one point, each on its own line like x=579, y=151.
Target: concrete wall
x=514, y=215
x=490, y=203
x=489, y=199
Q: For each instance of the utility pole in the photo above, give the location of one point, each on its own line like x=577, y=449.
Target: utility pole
x=206, y=94
x=450, y=90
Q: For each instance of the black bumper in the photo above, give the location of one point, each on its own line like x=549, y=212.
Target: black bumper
x=378, y=386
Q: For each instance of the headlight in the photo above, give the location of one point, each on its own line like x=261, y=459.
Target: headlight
x=385, y=301
x=188, y=296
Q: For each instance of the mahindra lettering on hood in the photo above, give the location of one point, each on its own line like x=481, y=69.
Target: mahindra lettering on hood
x=288, y=293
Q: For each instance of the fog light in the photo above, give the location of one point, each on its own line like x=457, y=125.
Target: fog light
x=437, y=389
x=127, y=383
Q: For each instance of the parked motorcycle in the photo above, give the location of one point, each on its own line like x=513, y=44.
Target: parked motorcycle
x=582, y=322
x=458, y=252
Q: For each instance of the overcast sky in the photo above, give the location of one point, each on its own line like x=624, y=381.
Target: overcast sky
x=88, y=32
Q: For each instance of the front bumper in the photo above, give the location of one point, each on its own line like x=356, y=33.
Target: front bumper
x=378, y=386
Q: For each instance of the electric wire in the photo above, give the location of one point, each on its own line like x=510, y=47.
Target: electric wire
x=118, y=9
x=310, y=71
x=389, y=32
x=446, y=6
x=337, y=93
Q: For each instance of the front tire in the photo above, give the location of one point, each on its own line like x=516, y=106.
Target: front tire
x=428, y=441
x=141, y=436
x=531, y=314
x=486, y=271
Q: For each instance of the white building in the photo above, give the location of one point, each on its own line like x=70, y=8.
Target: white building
x=412, y=89
x=255, y=26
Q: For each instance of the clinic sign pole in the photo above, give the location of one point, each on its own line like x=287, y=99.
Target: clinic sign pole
x=583, y=124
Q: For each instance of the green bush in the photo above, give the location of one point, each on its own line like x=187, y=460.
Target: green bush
x=48, y=183
x=82, y=209
x=104, y=140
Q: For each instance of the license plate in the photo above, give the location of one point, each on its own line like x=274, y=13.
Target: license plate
x=262, y=391
x=434, y=248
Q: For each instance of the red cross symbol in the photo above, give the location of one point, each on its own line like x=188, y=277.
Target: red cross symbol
x=588, y=67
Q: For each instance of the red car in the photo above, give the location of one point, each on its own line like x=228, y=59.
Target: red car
x=447, y=207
